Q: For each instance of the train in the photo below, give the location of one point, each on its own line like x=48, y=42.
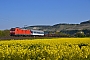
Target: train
x=25, y=32
x=29, y=32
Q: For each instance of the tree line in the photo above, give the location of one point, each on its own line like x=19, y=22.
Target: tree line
x=4, y=33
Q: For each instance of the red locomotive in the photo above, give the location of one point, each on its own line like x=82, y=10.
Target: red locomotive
x=25, y=32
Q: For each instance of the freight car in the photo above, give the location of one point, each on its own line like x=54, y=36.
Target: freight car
x=25, y=32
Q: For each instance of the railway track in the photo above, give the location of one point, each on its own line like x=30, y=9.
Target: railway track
x=22, y=38
x=15, y=38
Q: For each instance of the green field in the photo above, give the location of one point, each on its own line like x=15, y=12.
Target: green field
x=46, y=49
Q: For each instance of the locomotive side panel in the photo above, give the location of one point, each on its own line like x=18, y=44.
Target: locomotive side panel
x=27, y=32
x=17, y=31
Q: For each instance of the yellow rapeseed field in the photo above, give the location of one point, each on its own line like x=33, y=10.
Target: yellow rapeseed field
x=46, y=49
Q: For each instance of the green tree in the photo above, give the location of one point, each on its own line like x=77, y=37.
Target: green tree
x=87, y=34
x=64, y=34
x=0, y=33
x=80, y=34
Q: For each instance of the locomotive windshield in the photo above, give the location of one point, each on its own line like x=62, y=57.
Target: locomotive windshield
x=12, y=29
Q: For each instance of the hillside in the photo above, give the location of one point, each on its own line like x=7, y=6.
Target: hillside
x=59, y=27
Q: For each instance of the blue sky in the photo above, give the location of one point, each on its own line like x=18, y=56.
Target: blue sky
x=17, y=13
